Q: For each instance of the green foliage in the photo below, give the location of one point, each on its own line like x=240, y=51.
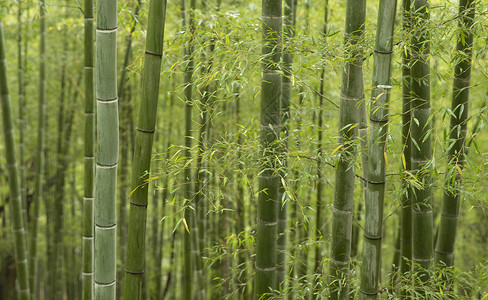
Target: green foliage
x=233, y=149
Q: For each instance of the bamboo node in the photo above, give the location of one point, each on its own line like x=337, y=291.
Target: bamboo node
x=450, y=217
x=342, y=96
x=153, y=53
x=138, y=204
x=383, y=52
x=262, y=222
x=340, y=211
x=107, y=30
x=145, y=131
x=376, y=238
x=368, y=293
x=342, y=263
x=135, y=272
x=265, y=269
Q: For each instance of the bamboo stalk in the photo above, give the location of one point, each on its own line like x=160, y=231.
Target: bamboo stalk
x=444, y=251
x=41, y=136
x=422, y=232
x=107, y=150
x=379, y=118
x=352, y=93
x=89, y=156
x=285, y=119
x=13, y=178
x=269, y=178
x=146, y=123
x=406, y=209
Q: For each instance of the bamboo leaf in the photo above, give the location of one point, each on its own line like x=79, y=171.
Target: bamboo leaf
x=336, y=149
x=151, y=179
x=186, y=225
x=459, y=170
x=403, y=161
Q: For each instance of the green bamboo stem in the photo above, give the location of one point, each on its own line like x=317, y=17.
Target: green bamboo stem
x=285, y=117
x=352, y=93
x=420, y=127
x=160, y=239
x=107, y=150
x=41, y=136
x=188, y=268
x=146, y=123
x=379, y=114
x=60, y=178
x=269, y=179
x=240, y=203
x=406, y=209
x=15, y=201
x=444, y=251
x=23, y=176
x=319, y=222
x=89, y=156
x=125, y=117
x=201, y=174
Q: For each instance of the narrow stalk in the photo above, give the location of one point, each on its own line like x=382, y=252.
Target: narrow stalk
x=422, y=230
x=146, y=123
x=107, y=150
x=319, y=222
x=285, y=119
x=41, y=136
x=269, y=178
x=125, y=117
x=23, y=176
x=378, y=116
x=444, y=251
x=13, y=179
x=352, y=94
x=188, y=194
x=406, y=209
x=89, y=157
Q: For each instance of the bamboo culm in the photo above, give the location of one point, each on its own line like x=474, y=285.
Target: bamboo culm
x=285, y=117
x=146, y=124
x=41, y=137
x=421, y=152
x=406, y=209
x=89, y=156
x=379, y=118
x=107, y=150
x=15, y=202
x=444, y=251
x=269, y=178
x=352, y=93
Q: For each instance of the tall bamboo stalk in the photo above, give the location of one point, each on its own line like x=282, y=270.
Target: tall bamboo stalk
x=320, y=230
x=107, y=150
x=378, y=116
x=60, y=175
x=406, y=210
x=125, y=117
x=352, y=93
x=444, y=251
x=15, y=200
x=285, y=119
x=89, y=156
x=23, y=176
x=146, y=123
x=188, y=268
x=269, y=179
x=41, y=136
x=422, y=232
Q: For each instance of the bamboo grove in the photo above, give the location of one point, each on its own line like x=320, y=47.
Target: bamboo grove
x=207, y=149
